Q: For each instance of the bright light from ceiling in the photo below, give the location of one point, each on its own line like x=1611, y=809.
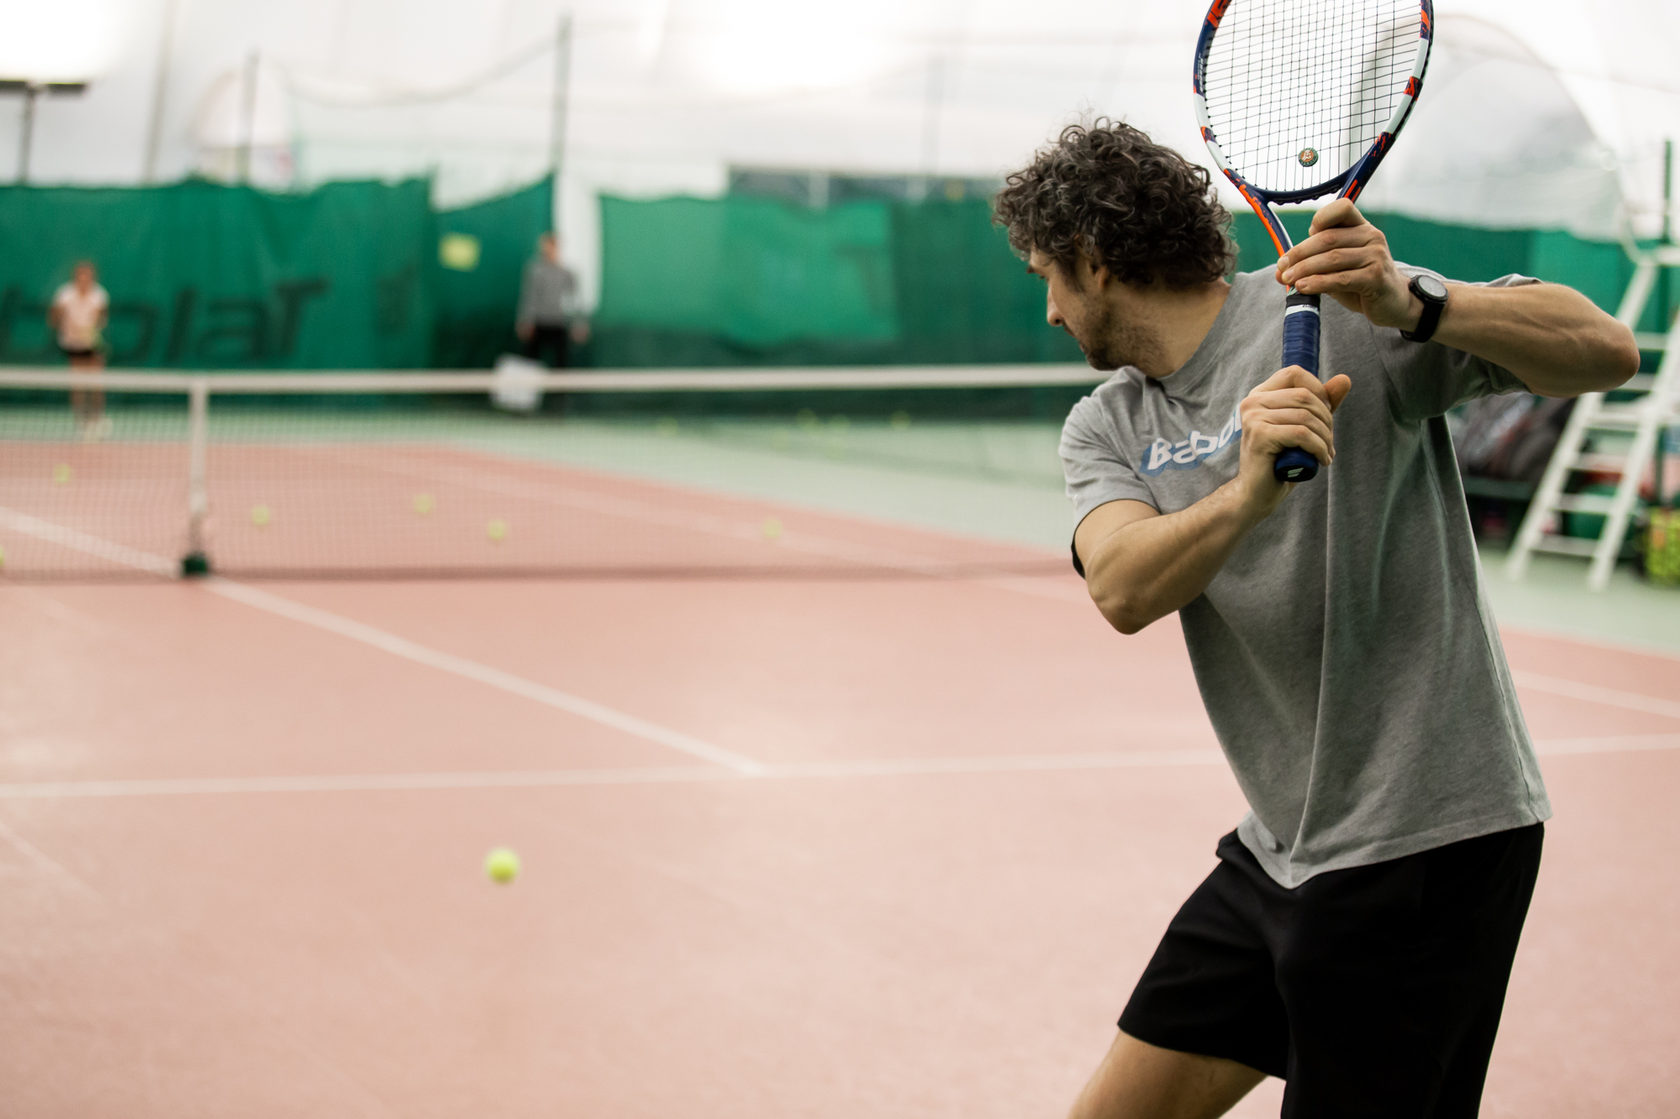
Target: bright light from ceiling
x=61, y=40
x=769, y=46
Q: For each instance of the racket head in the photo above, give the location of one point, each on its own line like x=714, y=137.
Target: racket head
x=1301, y=98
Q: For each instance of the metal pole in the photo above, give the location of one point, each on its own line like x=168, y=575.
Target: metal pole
x=1668, y=193
x=930, y=125
x=196, y=561
x=26, y=134
x=248, y=125
x=160, y=90
x=557, y=121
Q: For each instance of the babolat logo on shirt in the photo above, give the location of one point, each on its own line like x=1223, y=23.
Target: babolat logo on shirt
x=1193, y=449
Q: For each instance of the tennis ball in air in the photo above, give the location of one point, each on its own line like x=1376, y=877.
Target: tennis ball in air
x=62, y=474
x=667, y=426
x=900, y=420
x=772, y=528
x=501, y=865
x=497, y=530
x=2, y=559
x=423, y=503
x=260, y=515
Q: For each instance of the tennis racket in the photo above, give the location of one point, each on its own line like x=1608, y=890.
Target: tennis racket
x=1299, y=98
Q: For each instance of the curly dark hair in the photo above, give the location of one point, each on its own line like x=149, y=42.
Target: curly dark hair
x=1106, y=190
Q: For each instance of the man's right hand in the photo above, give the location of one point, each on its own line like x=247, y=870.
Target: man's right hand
x=524, y=330
x=1291, y=408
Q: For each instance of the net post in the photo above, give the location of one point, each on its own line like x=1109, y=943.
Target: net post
x=196, y=561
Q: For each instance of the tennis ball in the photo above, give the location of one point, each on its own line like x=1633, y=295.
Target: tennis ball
x=2, y=559
x=423, y=503
x=900, y=420
x=502, y=865
x=497, y=530
x=260, y=515
x=667, y=426
x=772, y=528
x=806, y=418
x=62, y=474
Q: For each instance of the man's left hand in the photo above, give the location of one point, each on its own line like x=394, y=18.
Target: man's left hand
x=1346, y=258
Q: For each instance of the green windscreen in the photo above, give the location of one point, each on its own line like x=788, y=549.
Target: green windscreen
x=210, y=276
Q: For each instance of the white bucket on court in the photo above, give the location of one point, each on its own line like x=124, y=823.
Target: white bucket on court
x=518, y=386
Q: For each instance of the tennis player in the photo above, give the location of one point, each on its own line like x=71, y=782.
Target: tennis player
x=1357, y=932
x=77, y=314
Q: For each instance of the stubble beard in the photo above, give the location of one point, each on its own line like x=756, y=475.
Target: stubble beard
x=1104, y=344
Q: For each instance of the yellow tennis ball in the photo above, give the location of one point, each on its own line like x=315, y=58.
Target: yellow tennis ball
x=900, y=420
x=423, y=503
x=772, y=528
x=260, y=515
x=497, y=530
x=2, y=559
x=502, y=865
x=61, y=474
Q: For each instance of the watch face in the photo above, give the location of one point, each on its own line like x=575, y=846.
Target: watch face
x=1428, y=287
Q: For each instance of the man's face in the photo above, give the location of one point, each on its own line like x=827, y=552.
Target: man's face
x=83, y=276
x=550, y=247
x=1076, y=304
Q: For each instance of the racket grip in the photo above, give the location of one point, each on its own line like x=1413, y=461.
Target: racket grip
x=1300, y=347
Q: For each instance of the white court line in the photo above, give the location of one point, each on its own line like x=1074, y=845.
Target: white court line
x=397, y=646
x=684, y=775
x=94, y=546
x=482, y=673
x=1627, y=743
x=560, y=778
x=362, y=783
x=44, y=861
x=1593, y=693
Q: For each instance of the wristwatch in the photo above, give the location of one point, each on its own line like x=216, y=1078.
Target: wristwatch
x=1433, y=294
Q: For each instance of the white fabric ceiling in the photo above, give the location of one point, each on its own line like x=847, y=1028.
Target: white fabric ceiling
x=1532, y=113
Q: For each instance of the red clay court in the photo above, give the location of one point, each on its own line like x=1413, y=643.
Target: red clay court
x=886, y=828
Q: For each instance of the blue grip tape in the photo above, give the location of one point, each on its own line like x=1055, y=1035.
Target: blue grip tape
x=1300, y=334
x=1300, y=347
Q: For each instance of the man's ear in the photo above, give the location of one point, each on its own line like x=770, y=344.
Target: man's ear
x=1099, y=273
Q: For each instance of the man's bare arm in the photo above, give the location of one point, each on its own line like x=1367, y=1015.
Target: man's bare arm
x=1553, y=338
x=1141, y=565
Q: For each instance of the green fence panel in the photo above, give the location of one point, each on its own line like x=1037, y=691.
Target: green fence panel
x=209, y=276
x=481, y=254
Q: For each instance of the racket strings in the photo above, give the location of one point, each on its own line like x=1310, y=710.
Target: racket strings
x=1298, y=90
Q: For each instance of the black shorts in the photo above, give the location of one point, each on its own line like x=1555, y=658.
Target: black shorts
x=551, y=344
x=77, y=352
x=1374, y=991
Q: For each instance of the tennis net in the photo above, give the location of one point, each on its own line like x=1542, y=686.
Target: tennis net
x=890, y=471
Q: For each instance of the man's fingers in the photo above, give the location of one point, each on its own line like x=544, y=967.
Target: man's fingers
x=1339, y=212
x=1348, y=262
x=1291, y=376
x=1273, y=439
x=1338, y=388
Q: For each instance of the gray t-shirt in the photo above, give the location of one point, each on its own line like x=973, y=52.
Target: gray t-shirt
x=549, y=294
x=1348, y=660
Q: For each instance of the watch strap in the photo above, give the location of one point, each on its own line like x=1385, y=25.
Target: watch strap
x=1431, y=317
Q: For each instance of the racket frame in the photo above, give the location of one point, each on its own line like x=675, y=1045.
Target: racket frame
x=1301, y=311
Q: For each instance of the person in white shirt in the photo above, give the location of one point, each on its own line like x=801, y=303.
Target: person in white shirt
x=78, y=314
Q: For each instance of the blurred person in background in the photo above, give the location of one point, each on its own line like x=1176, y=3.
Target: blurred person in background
x=77, y=315
x=550, y=318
